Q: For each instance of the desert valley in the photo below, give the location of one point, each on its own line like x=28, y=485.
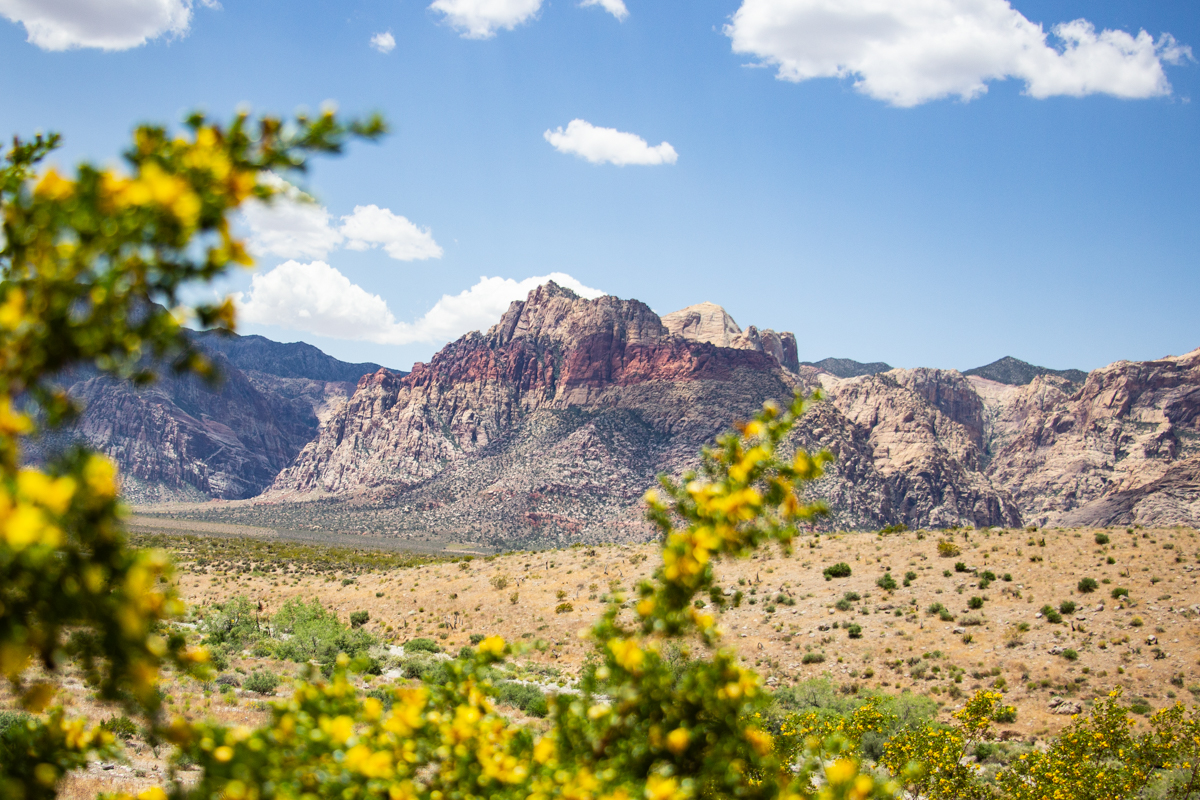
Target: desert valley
x=1009, y=528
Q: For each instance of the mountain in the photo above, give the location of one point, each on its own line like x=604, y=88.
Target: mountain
x=180, y=439
x=1015, y=372
x=549, y=427
x=1124, y=447
x=848, y=367
x=291, y=360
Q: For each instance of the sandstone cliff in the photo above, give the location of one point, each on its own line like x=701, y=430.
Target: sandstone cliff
x=549, y=427
x=708, y=322
x=1130, y=427
x=552, y=424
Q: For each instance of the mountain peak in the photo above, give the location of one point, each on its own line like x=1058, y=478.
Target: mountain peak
x=703, y=322
x=549, y=290
x=1015, y=372
x=848, y=367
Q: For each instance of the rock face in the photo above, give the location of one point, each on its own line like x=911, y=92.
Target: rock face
x=552, y=425
x=549, y=427
x=180, y=439
x=914, y=424
x=1122, y=448
x=708, y=322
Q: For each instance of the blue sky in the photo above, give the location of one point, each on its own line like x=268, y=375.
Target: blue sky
x=894, y=213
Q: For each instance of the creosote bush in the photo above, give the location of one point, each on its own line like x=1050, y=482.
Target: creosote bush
x=839, y=570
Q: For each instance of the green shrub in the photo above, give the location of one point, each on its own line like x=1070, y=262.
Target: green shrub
x=359, y=618
x=424, y=667
x=975, y=603
x=948, y=549
x=122, y=727
x=887, y=582
x=1087, y=585
x=1005, y=714
x=1051, y=614
x=1101, y=538
x=855, y=631
x=1119, y=592
x=1067, y=607
x=12, y=719
x=843, y=605
x=961, y=567
x=422, y=645
x=839, y=570
x=812, y=658
x=564, y=608
x=264, y=682
x=1070, y=655
x=232, y=625
x=476, y=638
x=315, y=633
x=528, y=699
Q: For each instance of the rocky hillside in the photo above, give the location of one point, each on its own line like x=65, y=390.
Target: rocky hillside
x=551, y=425
x=182, y=439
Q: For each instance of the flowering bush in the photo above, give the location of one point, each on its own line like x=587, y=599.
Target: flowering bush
x=86, y=262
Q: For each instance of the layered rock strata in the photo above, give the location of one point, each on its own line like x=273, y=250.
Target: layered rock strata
x=554, y=423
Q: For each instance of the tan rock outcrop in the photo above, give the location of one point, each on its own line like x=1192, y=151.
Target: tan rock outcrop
x=709, y=322
x=1131, y=426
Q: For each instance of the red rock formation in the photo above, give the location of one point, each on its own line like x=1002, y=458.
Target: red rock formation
x=564, y=412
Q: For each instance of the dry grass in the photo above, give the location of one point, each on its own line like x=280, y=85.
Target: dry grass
x=914, y=651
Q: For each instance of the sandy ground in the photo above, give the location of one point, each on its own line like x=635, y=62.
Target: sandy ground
x=1146, y=644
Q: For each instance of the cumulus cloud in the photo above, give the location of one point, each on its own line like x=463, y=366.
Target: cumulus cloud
x=103, y=24
x=615, y=7
x=294, y=226
x=316, y=298
x=608, y=145
x=907, y=52
x=371, y=226
x=384, y=42
x=480, y=19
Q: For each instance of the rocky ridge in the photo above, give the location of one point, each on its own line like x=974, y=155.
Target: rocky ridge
x=548, y=428
x=552, y=424
x=182, y=439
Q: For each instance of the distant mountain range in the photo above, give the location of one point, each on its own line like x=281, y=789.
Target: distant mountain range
x=550, y=426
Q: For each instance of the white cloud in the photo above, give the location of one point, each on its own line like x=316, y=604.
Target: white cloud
x=291, y=226
x=384, y=42
x=601, y=145
x=371, y=225
x=480, y=19
x=908, y=52
x=615, y=7
x=294, y=226
x=481, y=306
x=103, y=24
x=316, y=298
